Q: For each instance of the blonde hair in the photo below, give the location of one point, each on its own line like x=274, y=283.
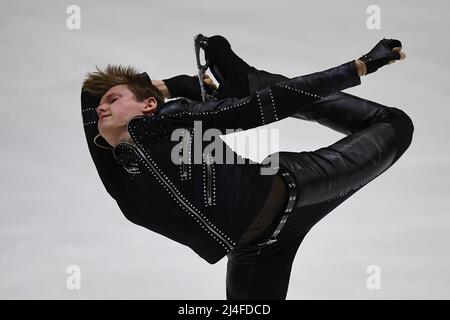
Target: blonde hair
x=99, y=82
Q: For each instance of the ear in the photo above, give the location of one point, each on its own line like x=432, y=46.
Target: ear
x=150, y=106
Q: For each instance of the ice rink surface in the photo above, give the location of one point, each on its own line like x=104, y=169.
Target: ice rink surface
x=55, y=213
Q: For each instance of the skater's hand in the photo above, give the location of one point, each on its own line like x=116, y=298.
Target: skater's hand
x=208, y=81
x=402, y=54
x=188, y=86
x=387, y=51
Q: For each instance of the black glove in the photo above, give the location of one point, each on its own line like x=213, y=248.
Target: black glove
x=381, y=54
x=186, y=86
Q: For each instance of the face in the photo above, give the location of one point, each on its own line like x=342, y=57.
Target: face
x=117, y=107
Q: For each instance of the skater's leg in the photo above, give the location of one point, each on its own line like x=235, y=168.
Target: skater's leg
x=223, y=61
x=326, y=177
x=261, y=274
x=378, y=136
x=228, y=68
x=254, y=272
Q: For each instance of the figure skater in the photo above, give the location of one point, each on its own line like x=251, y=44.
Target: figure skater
x=232, y=209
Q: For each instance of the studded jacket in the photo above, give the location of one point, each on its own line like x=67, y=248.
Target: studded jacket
x=204, y=204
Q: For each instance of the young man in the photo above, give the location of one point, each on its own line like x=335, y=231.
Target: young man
x=216, y=208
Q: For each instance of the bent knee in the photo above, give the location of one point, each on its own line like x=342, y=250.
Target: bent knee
x=404, y=126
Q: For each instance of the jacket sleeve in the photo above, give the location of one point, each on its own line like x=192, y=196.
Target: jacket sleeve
x=273, y=103
x=185, y=86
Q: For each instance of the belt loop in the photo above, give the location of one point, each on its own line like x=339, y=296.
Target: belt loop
x=292, y=200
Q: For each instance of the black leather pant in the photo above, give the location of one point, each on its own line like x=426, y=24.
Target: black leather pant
x=376, y=137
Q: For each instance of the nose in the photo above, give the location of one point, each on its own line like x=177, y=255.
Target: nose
x=101, y=109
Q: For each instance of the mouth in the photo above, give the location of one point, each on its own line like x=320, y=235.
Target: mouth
x=104, y=116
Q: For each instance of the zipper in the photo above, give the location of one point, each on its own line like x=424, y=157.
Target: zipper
x=187, y=206
x=208, y=179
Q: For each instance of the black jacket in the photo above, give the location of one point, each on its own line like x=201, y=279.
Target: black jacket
x=205, y=206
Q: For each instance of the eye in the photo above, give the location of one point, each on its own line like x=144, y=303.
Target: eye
x=114, y=99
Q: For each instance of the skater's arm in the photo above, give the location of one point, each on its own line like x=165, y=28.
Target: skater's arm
x=275, y=102
x=184, y=86
x=361, y=67
x=161, y=86
x=111, y=175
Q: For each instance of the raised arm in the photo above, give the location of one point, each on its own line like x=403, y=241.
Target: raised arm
x=183, y=86
x=284, y=98
x=161, y=86
x=273, y=103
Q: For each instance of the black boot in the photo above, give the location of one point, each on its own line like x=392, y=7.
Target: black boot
x=381, y=54
x=224, y=63
x=236, y=77
x=259, y=79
